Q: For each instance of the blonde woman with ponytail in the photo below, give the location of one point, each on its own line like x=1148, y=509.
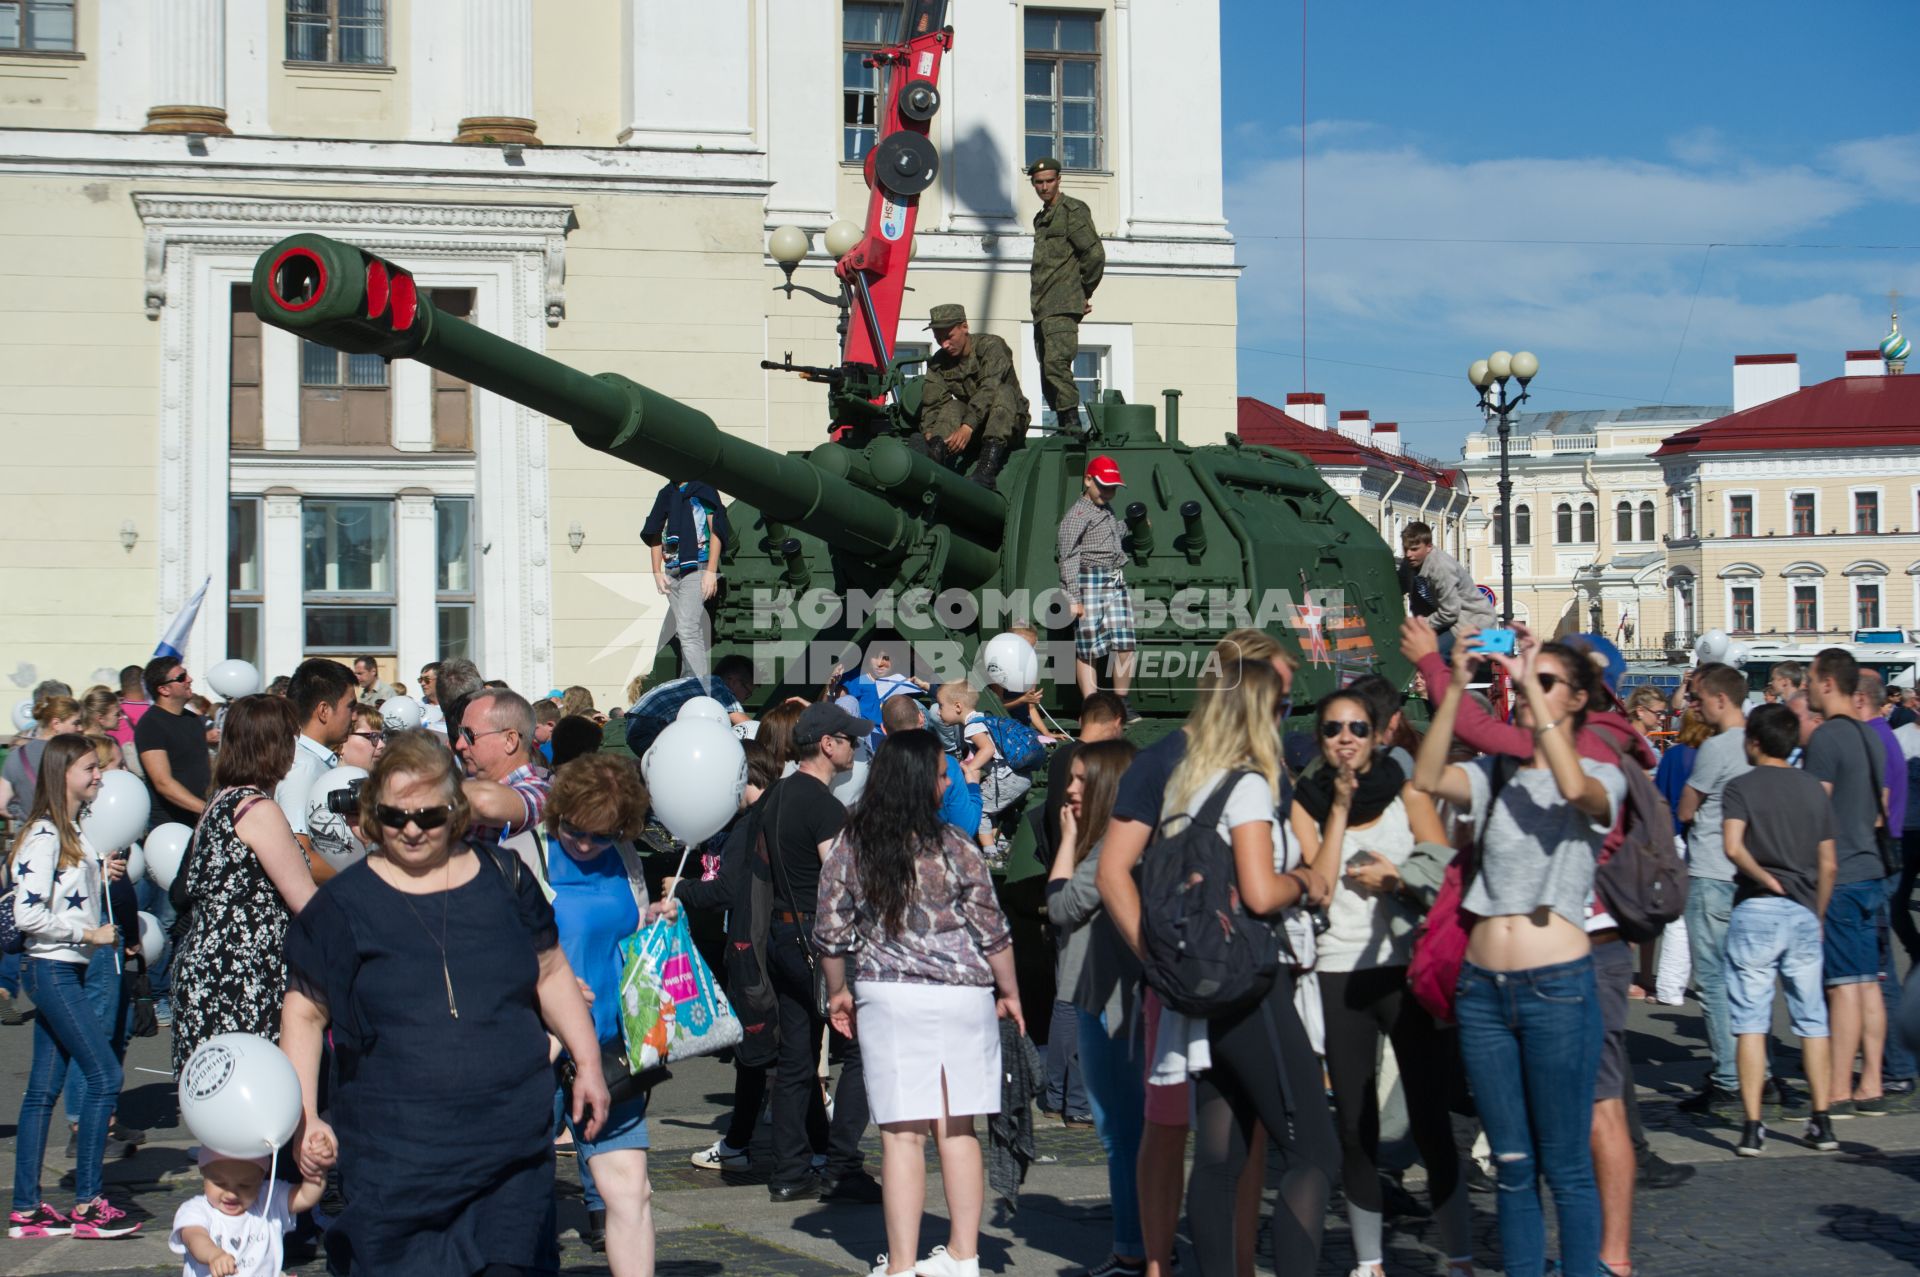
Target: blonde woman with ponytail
x=52, y=715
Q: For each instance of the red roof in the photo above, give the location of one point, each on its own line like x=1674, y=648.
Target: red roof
x=1859, y=413
x=1265, y=424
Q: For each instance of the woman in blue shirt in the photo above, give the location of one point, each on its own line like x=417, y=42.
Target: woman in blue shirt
x=599, y=899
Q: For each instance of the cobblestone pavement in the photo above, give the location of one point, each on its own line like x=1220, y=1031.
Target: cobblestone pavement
x=1856, y=1212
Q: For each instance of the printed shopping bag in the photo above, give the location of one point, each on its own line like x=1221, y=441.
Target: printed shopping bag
x=671, y=1007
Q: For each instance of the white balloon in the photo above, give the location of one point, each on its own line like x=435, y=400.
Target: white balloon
x=136, y=863
x=1010, y=661
x=1711, y=647
x=703, y=707
x=400, y=713
x=166, y=848
x=1737, y=654
x=240, y=1096
x=850, y=784
x=153, y=940
x=234, y=679
x=335, y=837
x=119, y=812
x=23, y=716
x=696, y=771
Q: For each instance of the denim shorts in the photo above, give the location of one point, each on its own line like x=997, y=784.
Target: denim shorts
x=1769, y=937
x=1855, y=915
x=625, y=1127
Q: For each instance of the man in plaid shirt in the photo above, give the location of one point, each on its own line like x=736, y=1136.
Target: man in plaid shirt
x=1091, y=556
x=495, y=742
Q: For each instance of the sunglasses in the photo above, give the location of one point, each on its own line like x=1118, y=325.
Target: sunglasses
x=428, y=818
x=1333, y=727
x=372, y=738
x=1549, y=681
x=472, y=737
x=181, y=677
x=577, y=834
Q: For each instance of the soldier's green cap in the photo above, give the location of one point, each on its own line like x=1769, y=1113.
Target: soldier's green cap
x=1042, y=164
x=947, y=315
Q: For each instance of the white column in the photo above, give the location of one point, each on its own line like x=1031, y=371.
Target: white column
x=417, y=629
x=280, y=389
x=412, y=405
x=982, y=87
x=283, y=638
x=803, y=135
x=1174, y=149
x=189, y=69
x=687, y=74
x=498, y=73
x=249, y=40
x=125, y=64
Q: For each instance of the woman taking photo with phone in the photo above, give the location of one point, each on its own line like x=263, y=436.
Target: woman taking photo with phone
x=1528, y=1009
x=59, y=897
x=1359, y=812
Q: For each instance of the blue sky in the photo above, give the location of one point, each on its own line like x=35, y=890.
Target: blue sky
x=1660, y=128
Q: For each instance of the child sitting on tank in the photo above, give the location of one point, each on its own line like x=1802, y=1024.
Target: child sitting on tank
x=867, y=692
x=963, y=731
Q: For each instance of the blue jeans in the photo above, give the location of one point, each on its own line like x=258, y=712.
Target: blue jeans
x=1116, y=1088
x=10, y=973
x=1897, y=1061
x=65, y=1029
x=1066, y=1081
x=153, y=899
x=107, y=992
x=1709, y=910
x=1531, y=1043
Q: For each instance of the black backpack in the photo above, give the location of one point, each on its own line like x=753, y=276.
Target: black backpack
x=1205, y=955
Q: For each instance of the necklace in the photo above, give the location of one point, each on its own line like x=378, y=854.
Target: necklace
x=453, y=1008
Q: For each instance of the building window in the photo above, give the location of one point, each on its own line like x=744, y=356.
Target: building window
x=347, y=552
x=1090, y=372
x=910, y=357
x=1742, y=609
x=1563, y=524
x=1063, y=88
x=453, y=576
x=1866, y=512
x=1683, y=515
x=1866, y=605
x=243, y=375
x=1740, y=516
x=865, y=28
x=1623, y=521
x=1803, y=514
x=37, y=26
x=1806, y=607
x=1523, y=525
x=452, y=397
x=1646, y=520
x=1588, y=522
x=243, y=580
x=347, y=32
x=344, y=399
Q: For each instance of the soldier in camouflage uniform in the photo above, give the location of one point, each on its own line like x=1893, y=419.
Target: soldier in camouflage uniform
x=971, y=402
x=1068, y=261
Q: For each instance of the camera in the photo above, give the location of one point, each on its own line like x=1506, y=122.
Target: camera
x=346, y=802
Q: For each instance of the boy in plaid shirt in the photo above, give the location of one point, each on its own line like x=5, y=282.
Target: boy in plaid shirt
x=1091, y=556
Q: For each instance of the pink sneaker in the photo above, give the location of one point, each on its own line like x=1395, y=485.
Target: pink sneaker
x=42, y=1221
x=101, y=1220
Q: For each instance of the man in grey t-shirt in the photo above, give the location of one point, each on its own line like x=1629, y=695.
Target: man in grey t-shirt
x=1722, y=693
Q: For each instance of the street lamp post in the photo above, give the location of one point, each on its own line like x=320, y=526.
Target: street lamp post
x=1490, y=376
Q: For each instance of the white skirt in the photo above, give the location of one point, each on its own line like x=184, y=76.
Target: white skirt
x=913, y=1034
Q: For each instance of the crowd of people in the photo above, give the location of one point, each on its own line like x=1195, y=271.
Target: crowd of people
x=498, y=847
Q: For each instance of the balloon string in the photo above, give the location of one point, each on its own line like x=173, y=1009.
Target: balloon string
x=273, y=1174
x=681, y=869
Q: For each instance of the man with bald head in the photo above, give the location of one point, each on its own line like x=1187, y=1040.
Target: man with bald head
x=495, y=742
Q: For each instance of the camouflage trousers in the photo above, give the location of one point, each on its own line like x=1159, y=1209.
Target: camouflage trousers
x=1056, y=339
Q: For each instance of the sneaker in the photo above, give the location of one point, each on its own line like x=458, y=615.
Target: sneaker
x=1897, y=1086
x=1820, y=1133
x=595, y=1235
x=1753, y=1140
x=880, y=1268
x=1657, y=1172
x=42, y=1221
x=1131, y=714
x=11, y=1012
x=941, y=1264
x=1874, y=1107
x=1787, y=1097
x=101, y=1220
x=113, y=1151
x=1115, y=1266
x=163, y=1011
x=722, y=1156
x=126, y=1134
x=1709, y=1097
x=1840, y=1110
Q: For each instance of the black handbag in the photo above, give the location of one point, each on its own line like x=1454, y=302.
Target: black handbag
x=623, y=1083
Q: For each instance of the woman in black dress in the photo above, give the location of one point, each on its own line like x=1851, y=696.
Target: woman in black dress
x=446, y=958
x=246, y=879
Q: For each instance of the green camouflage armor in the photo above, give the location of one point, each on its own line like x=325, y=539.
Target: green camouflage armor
x=981, y=389
x=1068, y=261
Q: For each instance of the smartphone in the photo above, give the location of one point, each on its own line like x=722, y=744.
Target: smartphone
x=1494, y=642
x=1358, y=859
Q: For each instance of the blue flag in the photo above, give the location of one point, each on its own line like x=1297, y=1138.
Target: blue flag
x=174, y=642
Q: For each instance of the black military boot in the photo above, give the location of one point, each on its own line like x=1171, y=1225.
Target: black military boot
x=932, y=449
x=1068, y=422
x=986, y=471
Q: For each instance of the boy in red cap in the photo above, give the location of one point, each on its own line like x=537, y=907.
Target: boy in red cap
x=1091, y=556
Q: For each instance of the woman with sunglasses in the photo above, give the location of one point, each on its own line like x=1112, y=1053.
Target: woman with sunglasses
x=369, y=737
x=1529, y=1004
x=1358, y=811
x=595, y=810
x=245, y=879
x=435, y=967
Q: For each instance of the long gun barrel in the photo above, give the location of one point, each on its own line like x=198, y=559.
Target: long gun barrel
x=341, y=296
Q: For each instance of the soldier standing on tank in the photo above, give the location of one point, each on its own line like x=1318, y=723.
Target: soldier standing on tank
x=1091, y=555
x=971, y=401
x=1068, y=261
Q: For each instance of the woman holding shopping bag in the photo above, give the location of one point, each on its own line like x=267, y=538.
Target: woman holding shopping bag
x=909, y=899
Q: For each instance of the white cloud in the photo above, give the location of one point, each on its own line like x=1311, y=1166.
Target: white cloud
x=1887, y=166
